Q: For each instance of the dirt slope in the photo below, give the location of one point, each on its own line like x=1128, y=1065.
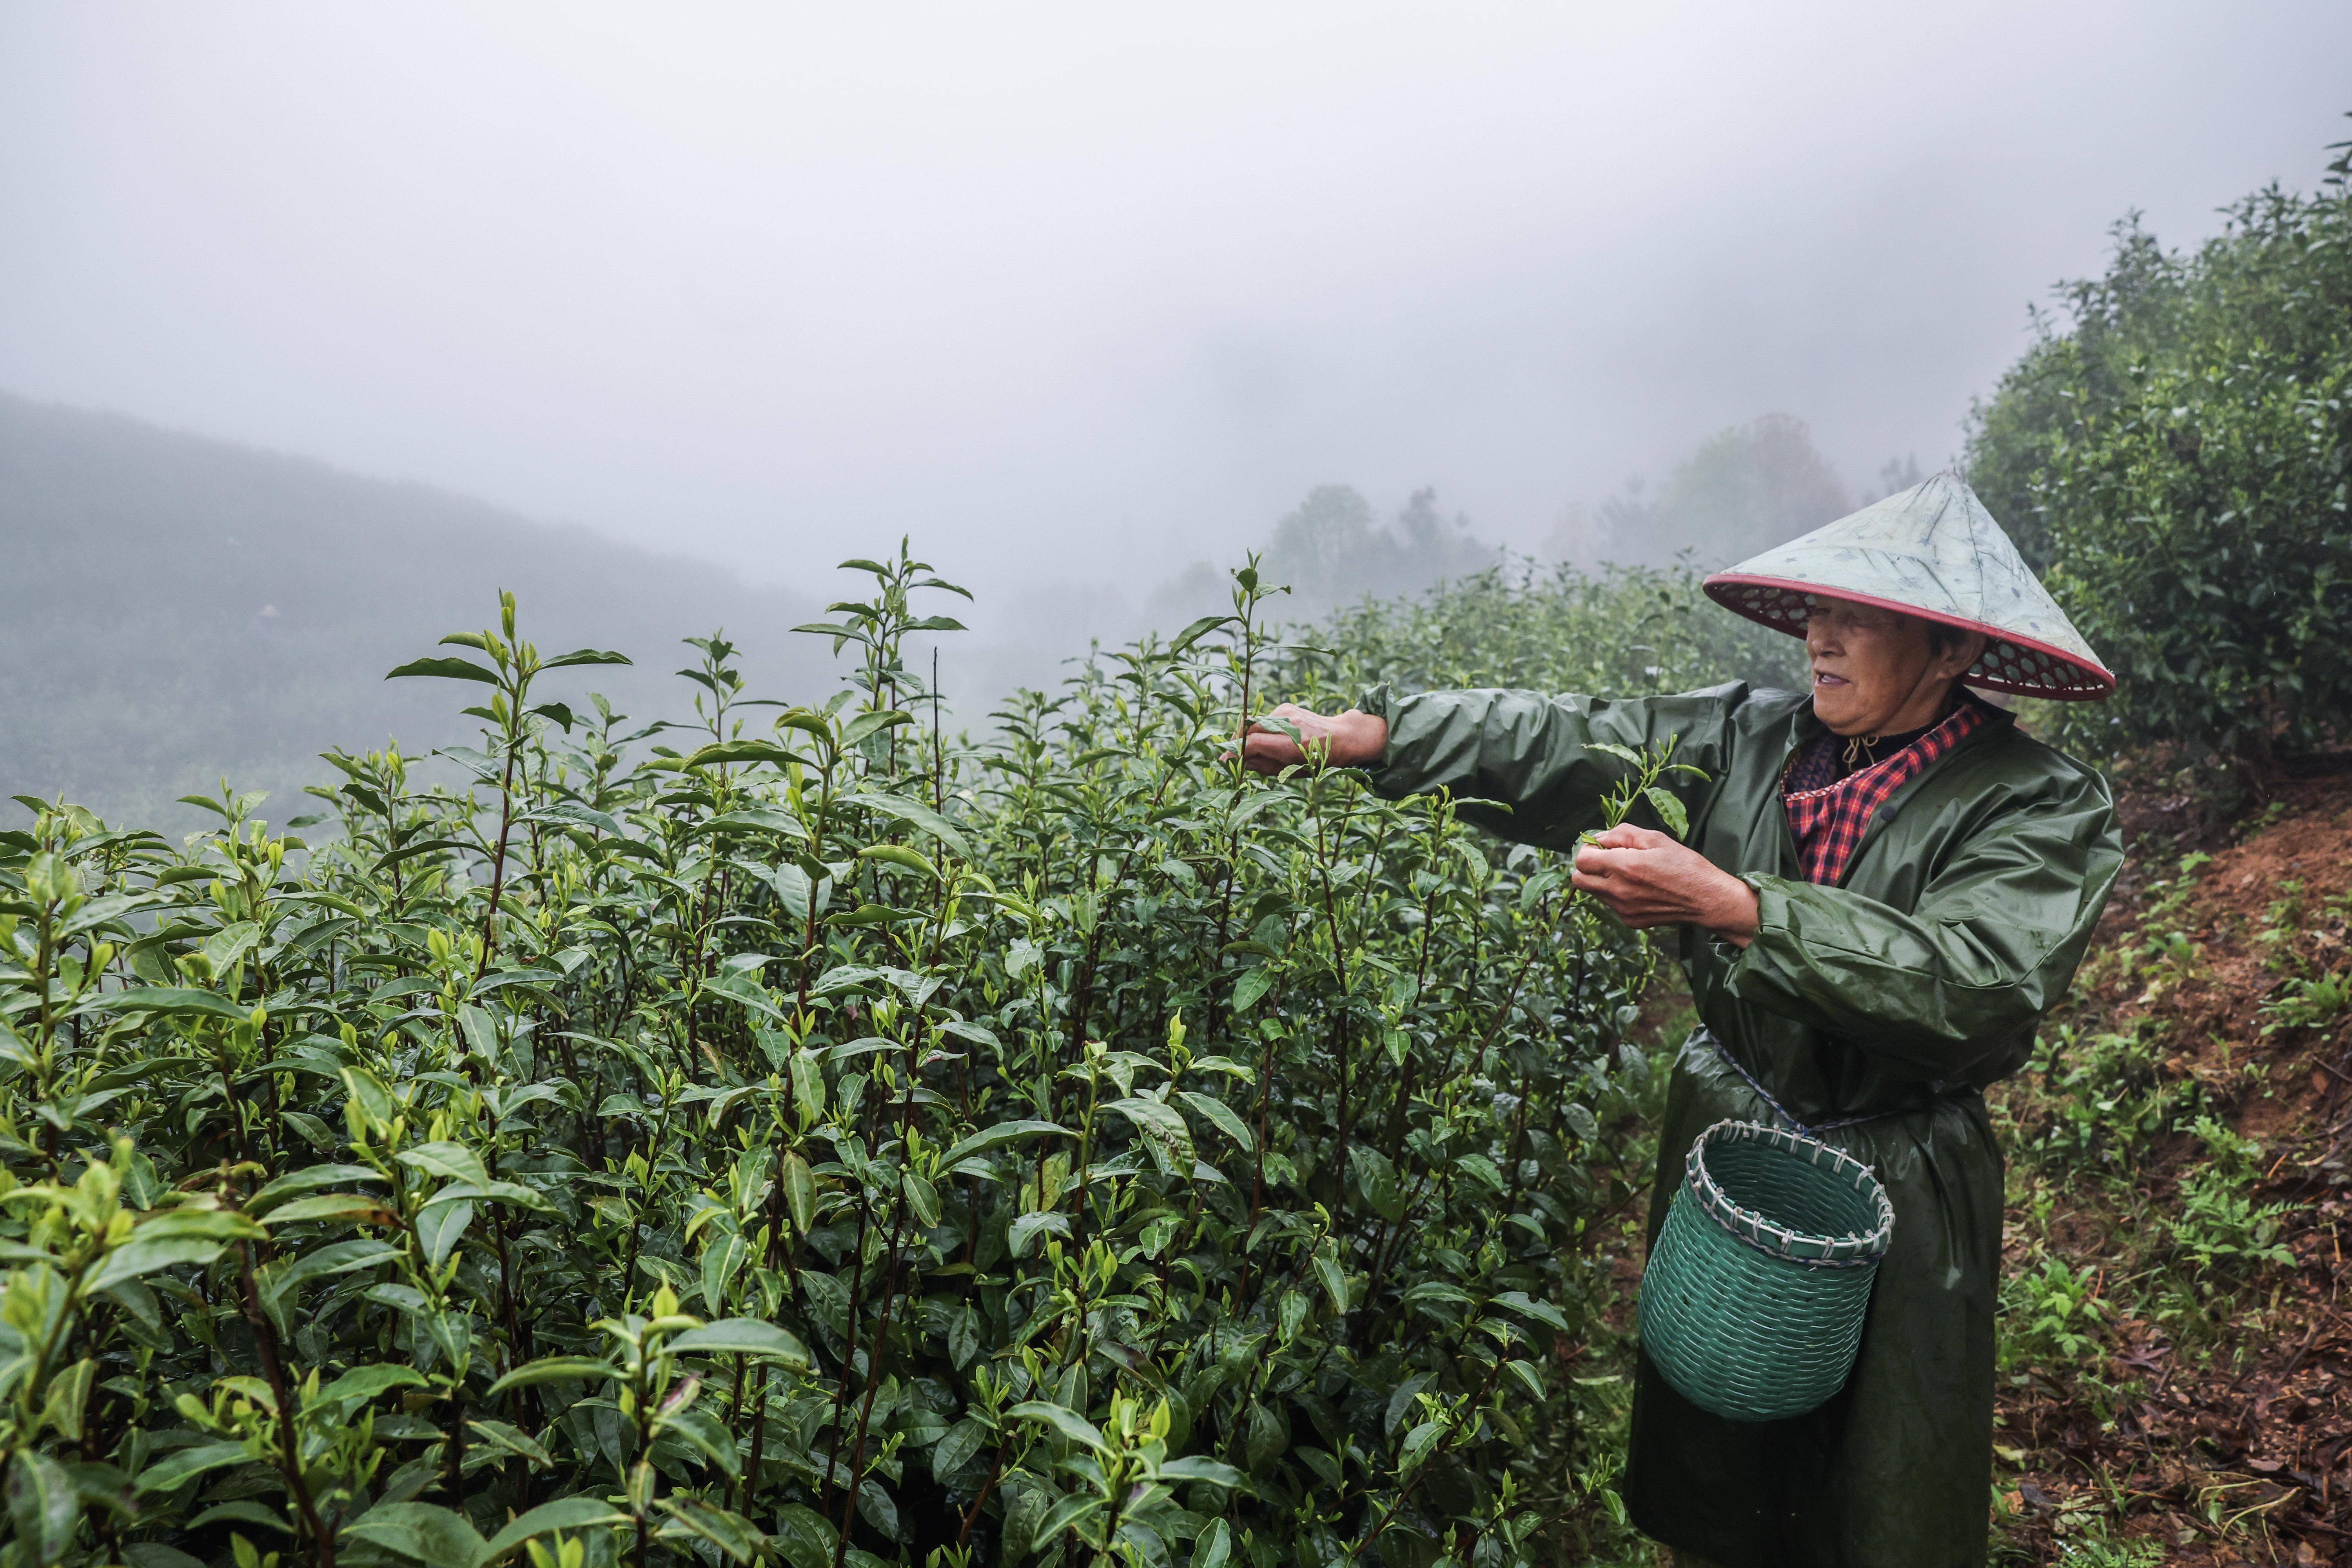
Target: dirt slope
x=2178, y=1355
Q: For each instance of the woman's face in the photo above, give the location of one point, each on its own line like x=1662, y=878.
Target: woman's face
x=1875, y=672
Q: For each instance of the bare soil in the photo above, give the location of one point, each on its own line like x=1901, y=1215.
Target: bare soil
x=2238, y=1448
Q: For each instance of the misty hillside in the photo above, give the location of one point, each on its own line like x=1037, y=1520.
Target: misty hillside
x=178, y=609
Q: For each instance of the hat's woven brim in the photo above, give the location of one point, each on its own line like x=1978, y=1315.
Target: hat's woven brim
x=2010, y=663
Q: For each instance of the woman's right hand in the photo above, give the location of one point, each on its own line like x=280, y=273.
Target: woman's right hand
x=1350, y=739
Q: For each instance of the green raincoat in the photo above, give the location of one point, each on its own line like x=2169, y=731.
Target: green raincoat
x=1899, y=995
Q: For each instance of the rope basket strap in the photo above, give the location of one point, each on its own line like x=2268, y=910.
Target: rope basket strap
x=1852, y=1249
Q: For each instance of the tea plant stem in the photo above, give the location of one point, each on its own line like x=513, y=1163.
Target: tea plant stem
x=849, y=1355
x=1344, y=1037
x=1518, y=1150
x=454, y=1472
x=939, y=751
x=1465, y=1422
x=519, y=1340
x=1511, y=999
x=60, y=1333
x=1086, y=1153
x=498, y=856
x=1246, y=603
x=1225, y=916
x=1403, y=1106
x=236, y=1109
x=1257, y=1160
x=289, y=1442
x=735, y=1394
x=697, y=967
x=758, y=1443
x=817, y=833
x=392, y=842
x=776, y=1207
x=873, y=1378
x=652, y=1167
x=46, y=1045
x=971, y=1515
x=1383, y=1254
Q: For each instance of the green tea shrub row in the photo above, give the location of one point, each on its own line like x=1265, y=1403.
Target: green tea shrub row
x=804, y=1138
x=2179, y=461
x=1552, y=626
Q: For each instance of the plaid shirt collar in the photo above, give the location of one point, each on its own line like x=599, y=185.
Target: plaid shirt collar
x=1828, y=823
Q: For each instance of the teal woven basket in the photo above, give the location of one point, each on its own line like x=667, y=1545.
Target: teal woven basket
x=1753, y=1300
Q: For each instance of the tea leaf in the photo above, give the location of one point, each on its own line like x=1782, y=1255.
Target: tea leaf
x=421, y=1531
x=742, y=1336
x=555, y=1369
x=571, y=1513
x=1670, y=811
x=42, y=1504
x=448, y=669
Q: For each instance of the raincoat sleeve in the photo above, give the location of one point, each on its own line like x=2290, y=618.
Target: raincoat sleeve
x=1522, y=762
x=1993, y=944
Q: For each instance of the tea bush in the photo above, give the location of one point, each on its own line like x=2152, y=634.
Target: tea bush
x=2179, y=460
x=806, y=1139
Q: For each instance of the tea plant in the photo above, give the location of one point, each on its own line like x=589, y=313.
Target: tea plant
x=2176, y=452
x=797, y=1136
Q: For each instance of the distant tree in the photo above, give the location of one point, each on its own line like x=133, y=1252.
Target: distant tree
x=1898, y=475
x=1576, y=539
x=1431, y=548
x=1330, y=551
x=1748, y=488
x=1198, y=590
x=1628, y=525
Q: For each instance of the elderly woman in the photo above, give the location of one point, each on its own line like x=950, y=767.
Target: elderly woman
x=1886, y=884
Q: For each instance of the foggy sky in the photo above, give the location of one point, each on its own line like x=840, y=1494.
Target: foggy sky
x=1069, y=291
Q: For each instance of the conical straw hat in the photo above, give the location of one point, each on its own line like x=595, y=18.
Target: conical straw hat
x=1933, y=552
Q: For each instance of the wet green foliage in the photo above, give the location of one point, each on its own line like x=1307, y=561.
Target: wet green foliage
x=1623, y=632
x=811, y=1139
x=2052, y=1317
x=2178, y=460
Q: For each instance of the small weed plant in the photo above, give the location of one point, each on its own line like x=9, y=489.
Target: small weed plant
x=2055, y=1317
x=2218, y=1229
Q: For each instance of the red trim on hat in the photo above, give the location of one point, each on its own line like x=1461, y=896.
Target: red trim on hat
x=2104, y=678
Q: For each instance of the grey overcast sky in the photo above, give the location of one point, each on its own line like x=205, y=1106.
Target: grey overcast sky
x=1072, y=290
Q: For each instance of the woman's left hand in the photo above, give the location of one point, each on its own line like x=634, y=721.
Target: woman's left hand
x=1648, y=878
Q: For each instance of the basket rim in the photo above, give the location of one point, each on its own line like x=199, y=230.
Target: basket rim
x=1856, y=1248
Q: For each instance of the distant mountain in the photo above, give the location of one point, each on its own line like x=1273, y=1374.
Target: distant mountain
x=173, y=609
